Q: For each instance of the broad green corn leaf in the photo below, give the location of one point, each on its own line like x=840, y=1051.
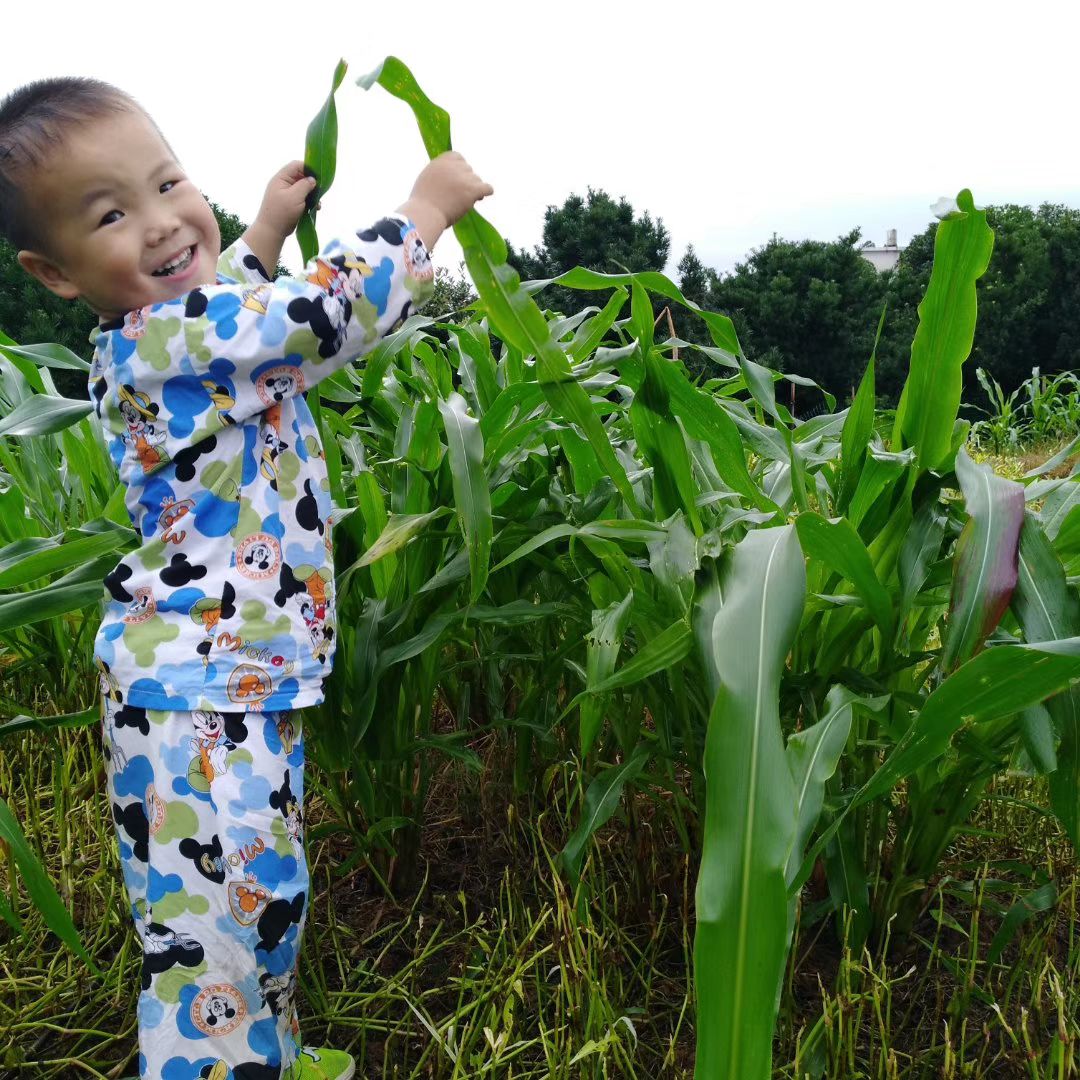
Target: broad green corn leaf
x=994, y=684
x=857, y=432
x=604, y=642
x=845, y=871
x=658, y=654
x=838, y=546
x=26, y=608
x=49, y=355
x=400, y=529
x=919, y=550
x=36, y=557
x=471, y=496
x=43, y=414
x=1039, y=739
x=1046, y=608
x=1041, y=899
x=320, y=161
x=661, y=443
x=746, y=624
x=931, y=396
x=623, y=530
x=984, y=567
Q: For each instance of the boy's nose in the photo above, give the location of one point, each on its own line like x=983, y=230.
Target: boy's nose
x=161, y=229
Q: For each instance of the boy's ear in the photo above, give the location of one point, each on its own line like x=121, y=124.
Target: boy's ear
x=49, y=274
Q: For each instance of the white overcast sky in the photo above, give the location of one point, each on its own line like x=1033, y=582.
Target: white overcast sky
x=730, y=121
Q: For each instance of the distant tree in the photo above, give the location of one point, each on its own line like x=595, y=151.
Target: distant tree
x=809, y=307
x=595, y=232
x=694, y=281
x=452, y=293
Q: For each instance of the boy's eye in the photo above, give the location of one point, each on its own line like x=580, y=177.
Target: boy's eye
x=168, y=186
x=110, y=217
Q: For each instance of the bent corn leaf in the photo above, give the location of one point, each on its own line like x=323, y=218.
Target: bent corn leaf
x=514, y=315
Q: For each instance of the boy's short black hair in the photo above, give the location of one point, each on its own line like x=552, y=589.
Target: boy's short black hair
x=33, y=121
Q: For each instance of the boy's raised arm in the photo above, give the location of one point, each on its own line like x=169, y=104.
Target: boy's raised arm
x=259, y=341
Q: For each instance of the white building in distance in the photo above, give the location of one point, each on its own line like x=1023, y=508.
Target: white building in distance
x=882, y=258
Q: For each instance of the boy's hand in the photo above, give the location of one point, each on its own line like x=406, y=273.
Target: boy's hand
x=444, y=192
x=284, y=200
x=281, y=208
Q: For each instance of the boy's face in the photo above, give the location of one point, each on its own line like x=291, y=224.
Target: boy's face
x=124, y=226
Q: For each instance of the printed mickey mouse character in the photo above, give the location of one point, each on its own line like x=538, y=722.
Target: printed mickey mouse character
x=215, y=735
x=284, y=801
x=342, y=278
x=209, y=611
x=114, y=753
x=217, y=1005
x=277, y=992
x=273, y=444
x=141, y=608
x=135, y=324
x=110, y=688
x=277, y=383
x=256, y=299
x=286, y=730
x=164, y=948
x=258, y=556
x=143, y=428
x=417, y=260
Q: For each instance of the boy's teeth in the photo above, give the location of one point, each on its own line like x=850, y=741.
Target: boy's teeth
x=176, y=264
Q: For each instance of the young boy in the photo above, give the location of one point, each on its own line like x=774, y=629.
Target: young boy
x=220, y=626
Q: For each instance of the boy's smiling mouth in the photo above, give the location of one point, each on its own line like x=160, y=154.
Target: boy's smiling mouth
x=177, y=264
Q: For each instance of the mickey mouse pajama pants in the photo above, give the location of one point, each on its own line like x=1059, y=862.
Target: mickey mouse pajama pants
x=208, y=813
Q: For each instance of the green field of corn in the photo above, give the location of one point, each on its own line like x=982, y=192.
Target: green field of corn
x=669, y=735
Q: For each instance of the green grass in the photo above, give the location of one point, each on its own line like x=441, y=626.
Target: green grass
x=490, y=968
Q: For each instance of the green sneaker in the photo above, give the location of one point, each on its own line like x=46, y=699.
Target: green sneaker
x=317, y=1063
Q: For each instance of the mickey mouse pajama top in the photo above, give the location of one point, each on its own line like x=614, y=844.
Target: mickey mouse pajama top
x=220, y=625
